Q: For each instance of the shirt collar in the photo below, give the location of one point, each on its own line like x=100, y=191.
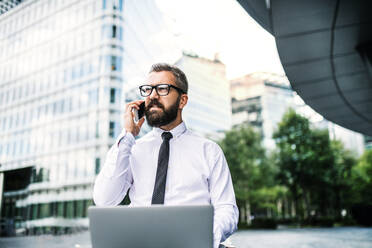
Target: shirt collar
x=176, y=132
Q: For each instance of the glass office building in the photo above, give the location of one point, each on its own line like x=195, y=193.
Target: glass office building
x=260, y=99
x=9, y=4
x=64, y=65
x=208, y=111
x=351, y=140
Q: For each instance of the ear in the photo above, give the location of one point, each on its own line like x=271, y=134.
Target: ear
x=183, y=101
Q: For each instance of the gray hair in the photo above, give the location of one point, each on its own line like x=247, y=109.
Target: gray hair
x=181, y=80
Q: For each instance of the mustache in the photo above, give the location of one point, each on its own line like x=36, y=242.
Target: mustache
x=154, y=102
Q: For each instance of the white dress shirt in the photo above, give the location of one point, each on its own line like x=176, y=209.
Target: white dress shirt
x=197, y=175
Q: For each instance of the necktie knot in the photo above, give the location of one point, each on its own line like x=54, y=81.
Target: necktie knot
x=166, y=136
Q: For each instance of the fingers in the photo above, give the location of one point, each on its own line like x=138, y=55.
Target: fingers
x=135, y=104
x=129, y=124
x=138, y=102
x=132, y=105
x=140, y=122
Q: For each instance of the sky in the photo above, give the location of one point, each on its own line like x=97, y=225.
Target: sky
x=207, y=27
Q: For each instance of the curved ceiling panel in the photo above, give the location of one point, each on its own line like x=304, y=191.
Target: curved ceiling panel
x=317, y=43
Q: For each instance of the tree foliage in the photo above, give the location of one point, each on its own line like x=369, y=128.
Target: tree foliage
x=244, y=154
x=308, y=177
x=315, y=169
x=362, y=180
x=252, y=172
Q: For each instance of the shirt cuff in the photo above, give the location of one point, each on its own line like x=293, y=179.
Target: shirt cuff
x=125, y=138
x=217, y=238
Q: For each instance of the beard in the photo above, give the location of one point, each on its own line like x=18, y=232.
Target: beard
x=158, y=118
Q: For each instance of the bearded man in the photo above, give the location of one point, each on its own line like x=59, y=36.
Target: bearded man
x=193, y=170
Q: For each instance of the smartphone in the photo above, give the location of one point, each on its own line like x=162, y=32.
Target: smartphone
x=138, y=114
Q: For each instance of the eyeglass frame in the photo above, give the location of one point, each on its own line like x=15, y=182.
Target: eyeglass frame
x=156, y=89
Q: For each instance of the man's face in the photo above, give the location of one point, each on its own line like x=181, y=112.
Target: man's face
x=161, y=110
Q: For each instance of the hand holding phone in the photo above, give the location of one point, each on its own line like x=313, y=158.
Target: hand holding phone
x=133, y=116
x=138, y=114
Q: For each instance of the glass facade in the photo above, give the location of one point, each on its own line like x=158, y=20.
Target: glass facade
x=208, y=111
x=61, y=79
x=8, y=4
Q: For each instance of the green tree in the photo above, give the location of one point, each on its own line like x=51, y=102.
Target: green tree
x=305, y=162
x=362, y=179
x=252, y=173
x=293, y=138
x=340, y=177
x=362, y=190
x=244, y=153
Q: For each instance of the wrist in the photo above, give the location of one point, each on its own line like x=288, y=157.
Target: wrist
x=129, y=130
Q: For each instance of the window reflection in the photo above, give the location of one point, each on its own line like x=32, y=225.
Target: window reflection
x=55, y=68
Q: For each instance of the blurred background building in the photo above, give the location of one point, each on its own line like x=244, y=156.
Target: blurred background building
x=368, y=142
x=208, y=110
x=351, y=140
x=62, y=78
x=7, y=5
x=261, y=99
x=61, y=82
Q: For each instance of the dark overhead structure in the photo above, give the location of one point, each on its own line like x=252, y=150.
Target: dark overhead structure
x=325, y=47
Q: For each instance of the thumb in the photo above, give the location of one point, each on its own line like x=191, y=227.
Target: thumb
x=141, y=121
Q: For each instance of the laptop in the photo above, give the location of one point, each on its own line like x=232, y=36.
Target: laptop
x=155, y=226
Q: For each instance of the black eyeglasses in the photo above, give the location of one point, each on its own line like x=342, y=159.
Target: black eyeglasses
x=161, y=89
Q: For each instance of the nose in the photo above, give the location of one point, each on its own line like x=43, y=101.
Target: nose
x=154, y=94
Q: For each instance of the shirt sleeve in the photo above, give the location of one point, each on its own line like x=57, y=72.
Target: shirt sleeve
x=226, y=213
x=115, y=178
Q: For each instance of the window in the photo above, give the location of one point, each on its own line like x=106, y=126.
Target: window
x=20, y=147
x=68, y=135
x=62, y=106
x=45, y=210
x=54, y=108
x=98, y=165
x=10, y=122
x=35, y=211
x=112, y=95
x=118, y=4
x=115, y=63
x=53, y=209
x=60, y=209
x=112, y=129
x=120, y=35
x=70, y=209
x=79, y=209
x=87, y=203
x=93, y=97
x=114, y=34
x=97, y=129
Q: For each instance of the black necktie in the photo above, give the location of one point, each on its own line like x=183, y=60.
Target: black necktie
x=161, y=173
